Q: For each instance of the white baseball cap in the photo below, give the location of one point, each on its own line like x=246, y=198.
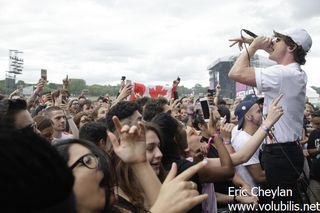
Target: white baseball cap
x=299, y=36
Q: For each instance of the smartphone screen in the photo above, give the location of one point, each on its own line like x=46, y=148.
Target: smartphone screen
x=205, y=108
x=44, y=74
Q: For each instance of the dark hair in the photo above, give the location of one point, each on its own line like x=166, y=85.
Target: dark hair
x=78, y=116
x=48, y=112
x=141, y=103
x=299, y=54
x=85, y=102
x=222, y=102
x=197, y=118
x=168, y=127
x=224, y=111
x=42, y=122
x=122, y=110
x=94, y=114
x=153, y=107
x=162, y=101
x=156, y=129
x=181, y=99
x=316, y=114
x=104, y=164
x=9, y=108
x=310, y=104
x=70, y=106
x=82, y=96
x=34, y=176
x=94, y=132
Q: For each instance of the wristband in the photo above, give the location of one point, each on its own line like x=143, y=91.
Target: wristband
x=265, y=128
x=227, y=142
x=209, y=143
x=216, y=135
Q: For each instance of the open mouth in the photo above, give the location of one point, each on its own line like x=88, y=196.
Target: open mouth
x=155, y=165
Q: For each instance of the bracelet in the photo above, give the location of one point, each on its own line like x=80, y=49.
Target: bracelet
x=265, y=128
x=210, y=141
x=216, y=135
x=227, y=142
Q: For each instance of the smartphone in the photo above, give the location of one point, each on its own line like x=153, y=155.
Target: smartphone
x=205, y=108
x=44, y=74
x=128, y=82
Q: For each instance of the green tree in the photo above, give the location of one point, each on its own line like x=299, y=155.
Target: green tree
x=20, y=82
x=2, y=87
x=97, y=90
x=199, y=89
x=76, y=86
x=317, y=89
x=183, y=91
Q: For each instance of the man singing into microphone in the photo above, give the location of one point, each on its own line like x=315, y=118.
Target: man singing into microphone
x=283, y=159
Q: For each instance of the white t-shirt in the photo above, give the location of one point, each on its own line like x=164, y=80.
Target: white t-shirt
x=237, y=143
x=289, y=80
x=64, y=136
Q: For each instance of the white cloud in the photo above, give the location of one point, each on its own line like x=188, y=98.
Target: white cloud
x=148, y=41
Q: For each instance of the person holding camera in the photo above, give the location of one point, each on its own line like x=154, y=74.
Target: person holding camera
x=283, y=158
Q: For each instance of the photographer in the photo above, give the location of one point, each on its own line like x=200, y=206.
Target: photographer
x=283, y=159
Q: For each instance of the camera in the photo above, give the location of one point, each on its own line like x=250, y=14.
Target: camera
x=211, y=92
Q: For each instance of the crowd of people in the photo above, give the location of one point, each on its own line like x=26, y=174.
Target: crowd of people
x=72, y=154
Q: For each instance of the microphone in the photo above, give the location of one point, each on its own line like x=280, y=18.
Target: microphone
x=250, y=33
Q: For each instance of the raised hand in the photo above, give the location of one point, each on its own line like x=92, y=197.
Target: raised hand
x=240, y=41
x=131, y=144
x=65, y=82
x=178, y=195
x=174, y=106
x=213, y=120
x=125, y=92
x=226, y=130
x=263, y=43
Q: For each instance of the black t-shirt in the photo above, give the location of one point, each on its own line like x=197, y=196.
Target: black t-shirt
x=183, y=165
x=313, y=143
x=123, y=203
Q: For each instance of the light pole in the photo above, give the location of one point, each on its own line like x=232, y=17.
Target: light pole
x=15, y=68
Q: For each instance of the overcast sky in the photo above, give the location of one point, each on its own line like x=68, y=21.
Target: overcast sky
x=149, y=41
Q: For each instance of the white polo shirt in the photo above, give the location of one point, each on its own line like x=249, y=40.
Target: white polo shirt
x=289, y=80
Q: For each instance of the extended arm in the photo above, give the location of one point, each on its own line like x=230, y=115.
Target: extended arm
x=245, y=153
